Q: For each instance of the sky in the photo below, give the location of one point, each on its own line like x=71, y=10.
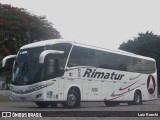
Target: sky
x=102, y=23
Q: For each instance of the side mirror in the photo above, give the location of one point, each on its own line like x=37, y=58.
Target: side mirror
x=46, y=52
x=6, y=58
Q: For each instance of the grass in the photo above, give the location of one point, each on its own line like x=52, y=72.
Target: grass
x=4, y=98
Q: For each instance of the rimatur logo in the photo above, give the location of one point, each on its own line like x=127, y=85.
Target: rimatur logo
x=151, y=83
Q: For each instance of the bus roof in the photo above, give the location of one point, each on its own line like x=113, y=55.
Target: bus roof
x=55, y=41
x=44, y=43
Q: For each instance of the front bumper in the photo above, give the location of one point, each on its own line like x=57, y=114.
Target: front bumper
x=38, y=95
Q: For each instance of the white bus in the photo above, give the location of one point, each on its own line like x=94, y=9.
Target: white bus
x=59, y=71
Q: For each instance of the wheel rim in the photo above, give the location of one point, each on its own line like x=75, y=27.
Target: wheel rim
x=71, y=99
x=137, y=99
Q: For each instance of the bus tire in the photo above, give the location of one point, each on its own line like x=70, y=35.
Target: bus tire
x=73, y=100
x=42, y=104
x=137, y=100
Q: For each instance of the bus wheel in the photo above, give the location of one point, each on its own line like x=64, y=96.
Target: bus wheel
x=72, y=100
x=111, y=103
x=42, y=104
x=137, y=99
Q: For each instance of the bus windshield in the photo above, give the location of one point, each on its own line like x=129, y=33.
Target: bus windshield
x=27, y=69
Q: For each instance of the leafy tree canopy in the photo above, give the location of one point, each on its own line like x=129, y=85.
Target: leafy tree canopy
x=19, y=27
x=146, y=44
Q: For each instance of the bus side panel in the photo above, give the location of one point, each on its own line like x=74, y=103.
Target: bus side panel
x=61, y=89
x=94, y=90
x=107, y=90
x=52, y=90
x=150, y=88
x=71, y=80
x=85, y=90
x=147, y=85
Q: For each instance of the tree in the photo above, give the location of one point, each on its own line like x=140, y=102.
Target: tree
x=19, y=27
x=146, y=44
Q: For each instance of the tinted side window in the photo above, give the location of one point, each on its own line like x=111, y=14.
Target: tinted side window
x=50, y=67
x=62, y=47
x=109, y=60
x=141, y=66
x=81, y=56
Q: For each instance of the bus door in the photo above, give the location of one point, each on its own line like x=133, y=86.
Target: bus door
x=51, y=74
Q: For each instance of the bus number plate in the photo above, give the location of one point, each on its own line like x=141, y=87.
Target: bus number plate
x=94, y=89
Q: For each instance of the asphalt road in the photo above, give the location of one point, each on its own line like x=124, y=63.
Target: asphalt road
x=97, y=109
